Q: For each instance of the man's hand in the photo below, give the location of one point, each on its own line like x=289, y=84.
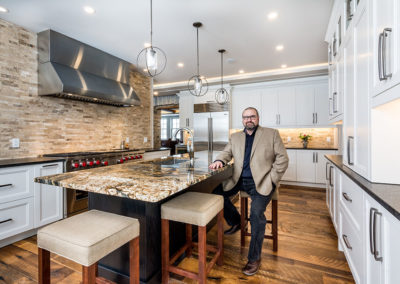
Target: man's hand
x=216, y=165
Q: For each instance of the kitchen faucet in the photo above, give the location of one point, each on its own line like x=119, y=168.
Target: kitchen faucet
x=189, y=144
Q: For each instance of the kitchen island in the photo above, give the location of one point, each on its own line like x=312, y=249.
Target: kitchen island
x=137, y=190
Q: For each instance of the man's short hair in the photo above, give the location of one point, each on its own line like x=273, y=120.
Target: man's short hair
x=253, y=108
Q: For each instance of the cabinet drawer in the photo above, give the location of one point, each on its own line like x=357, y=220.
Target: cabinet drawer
x=352, y=243
x=16, y=183
x=16, y=217
x=351, y=198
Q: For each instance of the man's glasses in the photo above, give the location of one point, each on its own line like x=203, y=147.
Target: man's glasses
x=252, y=117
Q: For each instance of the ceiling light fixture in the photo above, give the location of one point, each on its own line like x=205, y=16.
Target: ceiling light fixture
x=283, y=66
x=221, y=95
x=180, y=64
x=3, y=10
x=241, y=71
x=152, y=58
x=272, y=16
x=155, y=93
x=89, y=10
x=279, y=47
x=197, y=85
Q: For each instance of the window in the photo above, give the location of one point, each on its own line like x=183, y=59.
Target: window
x=169, y=125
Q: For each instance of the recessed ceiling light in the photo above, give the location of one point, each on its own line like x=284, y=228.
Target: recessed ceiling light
x=147, y=44
x=180, y=64
x=145, y=70
x=272, y=16
x=279, y=47
x=155, y=93
x=241, y=71
x=283, y=66
x=89, y=10
x=4, y=10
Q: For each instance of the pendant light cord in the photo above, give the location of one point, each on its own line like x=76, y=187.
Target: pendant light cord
x=198, y=68
x=222, y=70
x=151, y=23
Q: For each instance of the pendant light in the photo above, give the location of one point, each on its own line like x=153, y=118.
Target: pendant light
x=197, y=85
x=221, y=95
x=152, y=59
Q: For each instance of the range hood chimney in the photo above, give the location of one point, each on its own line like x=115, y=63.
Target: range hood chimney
x=71, y=69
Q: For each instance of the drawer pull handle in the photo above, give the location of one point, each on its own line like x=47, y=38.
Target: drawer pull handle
x=6, y=185
x=347, y=197
x=5, y=221
x=346, y=241
x=52, y=165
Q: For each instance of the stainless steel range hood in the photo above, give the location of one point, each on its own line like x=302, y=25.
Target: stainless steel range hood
x=71, y=69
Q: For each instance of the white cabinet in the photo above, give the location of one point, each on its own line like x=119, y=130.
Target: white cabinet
x=381, y=247
x=269, y=109
x=312, y=106
x=277, y=107
x=186, y=101
x=48, y=199
x=311, y=165
x=385, y=37
x=291, y=171
x=241, y=99
x=16, y=183
x=16, y=217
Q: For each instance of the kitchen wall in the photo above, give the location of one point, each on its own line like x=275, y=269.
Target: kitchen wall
x=49, y=125
x=157, y=127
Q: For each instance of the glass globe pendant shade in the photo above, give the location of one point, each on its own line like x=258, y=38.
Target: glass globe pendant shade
x=198, y=86
x=152, y=60
x=221, y=96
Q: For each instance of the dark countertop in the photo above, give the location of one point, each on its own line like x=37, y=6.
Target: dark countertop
x=388, y=195
x=310, y=148
x=149, y=181
x=28, y=161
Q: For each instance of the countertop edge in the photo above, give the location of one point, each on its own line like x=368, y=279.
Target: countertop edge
x=28, y=161
x=366, y=185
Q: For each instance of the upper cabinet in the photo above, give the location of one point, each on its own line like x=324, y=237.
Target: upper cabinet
x=186, y=101
x=241, y=99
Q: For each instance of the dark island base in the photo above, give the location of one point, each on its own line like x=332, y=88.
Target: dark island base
x=115, y=266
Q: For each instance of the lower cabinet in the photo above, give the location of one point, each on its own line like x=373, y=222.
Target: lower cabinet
x=367, y=232
x=290, y=174
x=25, y=205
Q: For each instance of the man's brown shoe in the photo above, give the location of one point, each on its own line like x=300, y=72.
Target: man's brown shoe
x=251, y=268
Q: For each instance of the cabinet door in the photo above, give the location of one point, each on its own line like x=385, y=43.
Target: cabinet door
x=385, y=45
x=241, y=99
x=391, y=247
x=332, y=89
x=290, y=174
x=337, y=100
x=16, y=217
x=305, y=105
x=305, y=166
x=186, y=110
x=286, y=106
x=321, y=104
x=16, y=183
x=48, y=199
x=269, y=107
x=320, y=165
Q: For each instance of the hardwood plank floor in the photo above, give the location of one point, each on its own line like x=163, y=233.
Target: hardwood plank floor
x=307, y=251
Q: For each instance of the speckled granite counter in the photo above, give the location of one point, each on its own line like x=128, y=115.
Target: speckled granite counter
x=150, y=181
x=388, y=195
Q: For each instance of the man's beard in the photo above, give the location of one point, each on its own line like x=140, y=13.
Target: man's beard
x=250, y=126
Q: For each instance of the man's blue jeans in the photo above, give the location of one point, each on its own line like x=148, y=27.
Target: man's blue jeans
x=257, y=217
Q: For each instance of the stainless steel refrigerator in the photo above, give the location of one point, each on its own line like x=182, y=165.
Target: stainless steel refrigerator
x=210, y=126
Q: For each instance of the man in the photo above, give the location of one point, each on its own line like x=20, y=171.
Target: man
x=260, y=160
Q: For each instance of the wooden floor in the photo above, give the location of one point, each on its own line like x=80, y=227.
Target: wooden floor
x=307, y=251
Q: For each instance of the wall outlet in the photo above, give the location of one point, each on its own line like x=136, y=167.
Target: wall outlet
x=144, y=139
x=289, y=139
x=14, y=143
x=328, y=139
x=127, y=140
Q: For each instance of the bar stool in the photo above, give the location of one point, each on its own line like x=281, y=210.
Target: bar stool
x=192, y=208
x=244, y=219
x=85, y=239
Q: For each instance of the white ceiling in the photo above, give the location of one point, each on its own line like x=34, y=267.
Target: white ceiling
x=121, y=28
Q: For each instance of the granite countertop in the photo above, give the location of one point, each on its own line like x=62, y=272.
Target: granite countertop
x=28, y=161
x=150, y=181
x=388, y=195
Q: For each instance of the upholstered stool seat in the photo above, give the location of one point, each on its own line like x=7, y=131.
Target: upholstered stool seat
x=192, y=208
x=244, y=219
x=88, y=237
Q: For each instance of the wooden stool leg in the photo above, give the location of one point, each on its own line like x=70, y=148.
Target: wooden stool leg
x=202, y=254
x=89, y=274
x=242, y=220
x=220, y=222
x=164, y=250
x=44, y=266
x=275, y=224
x=189, y=240
x=134, y=262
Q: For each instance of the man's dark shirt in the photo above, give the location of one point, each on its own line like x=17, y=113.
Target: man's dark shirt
x=246, y=172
